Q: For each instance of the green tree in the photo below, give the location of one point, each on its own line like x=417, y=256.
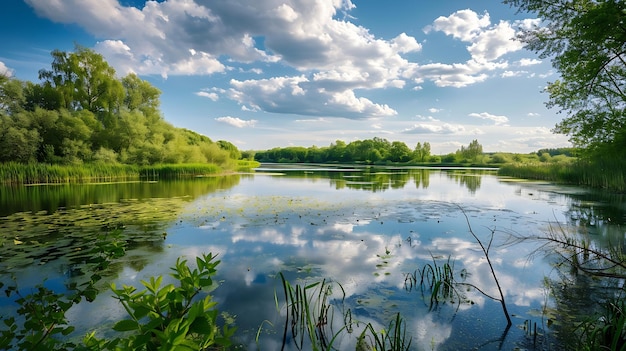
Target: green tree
x=84, y=80
x=421, y=153
x=585, y=40
x=471, y=152
x=399, y=152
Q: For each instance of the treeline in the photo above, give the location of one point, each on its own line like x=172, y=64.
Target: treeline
x=370, y=151
x=80, y=112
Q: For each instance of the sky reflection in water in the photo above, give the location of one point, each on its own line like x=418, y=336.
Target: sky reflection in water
x=367, y=241
x=365, y=231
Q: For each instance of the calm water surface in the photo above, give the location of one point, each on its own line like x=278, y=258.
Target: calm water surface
x=364, y=228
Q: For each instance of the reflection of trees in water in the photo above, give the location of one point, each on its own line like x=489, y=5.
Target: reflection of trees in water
x=52, y=197
x=590, y=266
x=63, y=237
x=421, y=177
x=470, y=181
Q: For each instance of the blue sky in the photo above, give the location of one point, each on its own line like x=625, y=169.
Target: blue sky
x=276, y=73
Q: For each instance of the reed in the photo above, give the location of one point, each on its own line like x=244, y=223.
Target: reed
x=437, y=280
x=247, y=165
x=394, y=338
x=182, y=170
x=598, y=173
x=42, y=173
x=310, y=313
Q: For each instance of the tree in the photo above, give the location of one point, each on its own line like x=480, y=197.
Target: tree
x=84, y=80
x=399, y=152
x=421, y=153
x=585, y=40
x=472, y=151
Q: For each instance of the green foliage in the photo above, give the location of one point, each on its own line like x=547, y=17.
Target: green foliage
x=42, y=323
x=82, y=113
x=471, y=152
x=169, y=317
x=161, y=317
x=585, y=40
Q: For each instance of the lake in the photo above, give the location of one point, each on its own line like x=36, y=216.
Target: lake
x=365, y=231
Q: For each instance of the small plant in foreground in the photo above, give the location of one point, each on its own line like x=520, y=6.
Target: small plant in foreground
x=170, y=317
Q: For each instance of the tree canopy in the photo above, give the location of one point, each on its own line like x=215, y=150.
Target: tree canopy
x=586, y=41
x=82, y=112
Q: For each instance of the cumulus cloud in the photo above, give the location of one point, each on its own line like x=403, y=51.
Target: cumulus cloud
x=297, y=95
x=434, y=110
x=509, y=74
x=236, y=122
x=332, y=57
x=211, y=95
x=463, y=24
x=486, y=44
x=497, y=120
x=4, y=70
x=428, y=128
x=184, y=37
x=529, y=62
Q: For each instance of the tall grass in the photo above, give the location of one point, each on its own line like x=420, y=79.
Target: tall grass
x=37, y=173
x=42, y=173
x=310, y=314
x=183, y=170
x=601, y=173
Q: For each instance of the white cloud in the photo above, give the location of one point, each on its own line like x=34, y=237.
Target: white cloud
x=463, y=24
x=494, y=43
x=497, y=120
x=428, y=128
x=434, y=110
x=529, y=62
x=211, y=95
x=533, y=114
x=4, y=70
x=236, y=122
x=296, y=95
x=509, y=74
x=486, y=44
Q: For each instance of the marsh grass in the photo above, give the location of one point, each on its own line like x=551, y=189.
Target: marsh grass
x=600, y=173
x=394, y=338
x=437, y=280
x=41, y=173
x=311, y=316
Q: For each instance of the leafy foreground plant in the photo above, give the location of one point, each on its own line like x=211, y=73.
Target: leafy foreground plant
x=310, y=317
x=42, y=312
x=169, y=317
x=162, y=317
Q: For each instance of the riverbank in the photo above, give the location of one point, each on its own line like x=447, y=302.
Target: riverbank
x=42, y=173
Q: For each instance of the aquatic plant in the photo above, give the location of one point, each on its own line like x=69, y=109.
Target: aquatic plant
x=438, y=280
x=310, y=313
x=393, y=338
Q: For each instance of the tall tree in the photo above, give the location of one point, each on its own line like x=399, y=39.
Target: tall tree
x=84, y=80
x=586, y=41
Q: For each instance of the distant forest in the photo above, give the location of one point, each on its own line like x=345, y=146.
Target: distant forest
x=381, y=151
x=81, y=113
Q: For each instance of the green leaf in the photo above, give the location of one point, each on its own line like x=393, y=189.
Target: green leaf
x=126, y=325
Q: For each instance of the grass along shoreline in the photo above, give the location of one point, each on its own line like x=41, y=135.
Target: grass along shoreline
x=601, y=174
x=13, y=173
